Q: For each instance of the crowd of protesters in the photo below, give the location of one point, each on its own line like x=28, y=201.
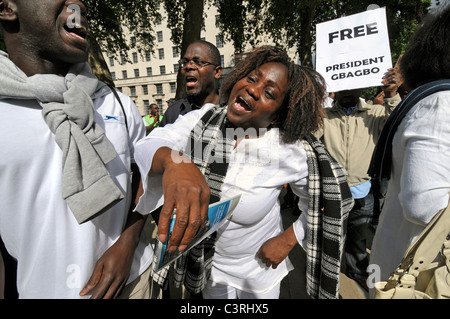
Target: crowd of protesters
x=83, y=174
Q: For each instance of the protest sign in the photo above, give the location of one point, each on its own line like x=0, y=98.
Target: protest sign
x=353, y=52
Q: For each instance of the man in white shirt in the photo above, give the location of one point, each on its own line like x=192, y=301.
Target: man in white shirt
x=67, y=162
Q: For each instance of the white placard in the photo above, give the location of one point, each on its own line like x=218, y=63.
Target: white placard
x=353, y=52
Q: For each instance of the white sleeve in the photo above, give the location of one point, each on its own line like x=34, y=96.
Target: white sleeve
x=424, y=137
x=174, y=136
x=297, y=159
x=300, y=226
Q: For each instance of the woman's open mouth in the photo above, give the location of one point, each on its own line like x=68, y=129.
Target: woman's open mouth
x=241, y=105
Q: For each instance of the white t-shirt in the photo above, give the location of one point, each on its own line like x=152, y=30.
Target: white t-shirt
x=56, y=255
x=259, y=177
x=420, y=180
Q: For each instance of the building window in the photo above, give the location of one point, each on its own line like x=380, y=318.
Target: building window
x=136, y=73
x=132, y=90
x=113, y=75
x=161, y=54
x=124, y=74
x=219, y=42
x=162, y=69
x=148, y=56
x=222, y=61
x=173, y=87
x=159, y=89
x=218, y=24
x=145, y=89
x=149, y=71
x=111, y=61
x=146, y=106
x=175, y=68
x=122, y=59
x=175, y=52
x=159, y=102
x=135, y=57
x=159, y=36
x=133, y=41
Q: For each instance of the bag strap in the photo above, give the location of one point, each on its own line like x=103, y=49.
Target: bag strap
x=380, y=164
x=121, y=105
x=425, y=248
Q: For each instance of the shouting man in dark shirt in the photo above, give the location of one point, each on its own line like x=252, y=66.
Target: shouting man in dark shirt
x=201, y=69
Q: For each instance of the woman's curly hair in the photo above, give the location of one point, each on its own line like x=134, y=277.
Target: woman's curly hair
x=302, y=111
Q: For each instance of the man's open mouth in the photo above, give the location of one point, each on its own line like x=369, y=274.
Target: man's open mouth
x=191, y=81
x=76, y=30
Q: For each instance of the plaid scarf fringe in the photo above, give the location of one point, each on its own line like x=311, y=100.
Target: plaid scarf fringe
x=329, y=205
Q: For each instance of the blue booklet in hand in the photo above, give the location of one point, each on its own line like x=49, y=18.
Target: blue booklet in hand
x=218, y=214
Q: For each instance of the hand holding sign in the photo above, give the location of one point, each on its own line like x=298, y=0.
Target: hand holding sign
x=391, y=82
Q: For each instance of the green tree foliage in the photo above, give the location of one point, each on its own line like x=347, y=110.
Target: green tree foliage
x=296, y=18
x=107, y=19
x=290, y=23
x=240, y=22
x=185, y=19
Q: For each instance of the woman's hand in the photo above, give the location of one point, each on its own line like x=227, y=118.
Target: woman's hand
x=276, y=249
x=185, y=189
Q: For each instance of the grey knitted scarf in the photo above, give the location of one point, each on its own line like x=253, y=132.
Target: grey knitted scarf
x=68, y=110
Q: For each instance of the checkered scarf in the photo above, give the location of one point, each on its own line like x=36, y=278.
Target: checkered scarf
x=330, y=201
x=209, y=149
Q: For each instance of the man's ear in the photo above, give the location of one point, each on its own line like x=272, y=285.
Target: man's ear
x=219, y=70
x=8, y=11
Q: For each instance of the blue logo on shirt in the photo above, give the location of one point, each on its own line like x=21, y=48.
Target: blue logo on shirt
x=110, y=117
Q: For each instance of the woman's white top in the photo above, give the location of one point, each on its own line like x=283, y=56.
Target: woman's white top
x=420, y=180
x=258, y=170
